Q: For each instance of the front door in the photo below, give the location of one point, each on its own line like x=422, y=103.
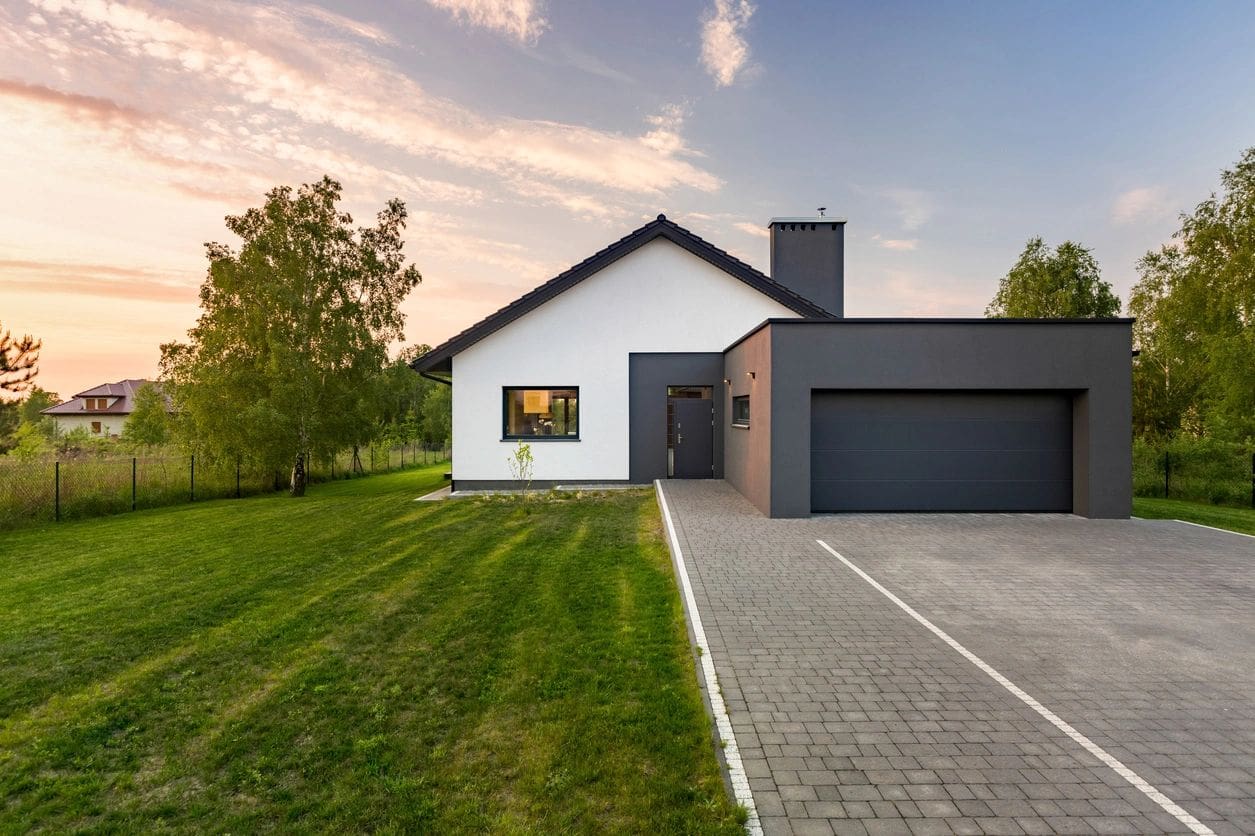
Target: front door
x=694, y=444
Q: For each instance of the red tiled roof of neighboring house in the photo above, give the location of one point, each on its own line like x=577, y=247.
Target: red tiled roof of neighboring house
x=123, y=390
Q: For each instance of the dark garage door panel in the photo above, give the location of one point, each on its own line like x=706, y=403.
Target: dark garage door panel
x=941, y=451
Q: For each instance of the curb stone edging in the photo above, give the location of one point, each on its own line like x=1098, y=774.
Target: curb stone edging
x=707, y=678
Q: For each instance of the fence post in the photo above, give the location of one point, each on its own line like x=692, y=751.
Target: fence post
x=333, y=466
x=134, y=468
x=192, y=482
x=56, y=481
x=237, y=477
x=1253, y=480
x=1167, y=473
x=372, y=458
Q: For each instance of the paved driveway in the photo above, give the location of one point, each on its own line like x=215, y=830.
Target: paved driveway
x=851, y=716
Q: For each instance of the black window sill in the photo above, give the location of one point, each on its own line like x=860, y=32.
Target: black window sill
x=509, y=439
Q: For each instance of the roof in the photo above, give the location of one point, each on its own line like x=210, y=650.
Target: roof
x=439, y=359
x=817, y=219
x=123, y=390
x=933, y=320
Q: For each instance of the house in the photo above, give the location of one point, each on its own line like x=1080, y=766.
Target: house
x=662, y=356
x=101, y=410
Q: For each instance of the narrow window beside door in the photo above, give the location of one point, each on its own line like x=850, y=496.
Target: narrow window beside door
x=741, y=411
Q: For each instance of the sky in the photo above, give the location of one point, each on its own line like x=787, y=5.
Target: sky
x=524, y=135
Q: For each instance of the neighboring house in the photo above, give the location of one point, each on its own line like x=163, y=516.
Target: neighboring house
x=101, y=410
x=663, y=356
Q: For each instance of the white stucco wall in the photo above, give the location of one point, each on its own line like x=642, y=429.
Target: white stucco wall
x=658, y=298
x=109, y=424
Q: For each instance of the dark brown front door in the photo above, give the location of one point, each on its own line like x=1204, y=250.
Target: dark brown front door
x=694, y=444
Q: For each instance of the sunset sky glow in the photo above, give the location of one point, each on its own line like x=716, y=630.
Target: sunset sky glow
x=524, y=135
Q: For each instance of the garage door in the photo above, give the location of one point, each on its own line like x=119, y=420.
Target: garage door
x=941, y=451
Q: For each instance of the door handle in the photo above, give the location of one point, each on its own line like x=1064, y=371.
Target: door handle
x=679, y=438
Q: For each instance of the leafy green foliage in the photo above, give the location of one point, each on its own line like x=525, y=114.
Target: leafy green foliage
x=23, y=431
x=438, y=414
x=29, y=441
x=287, y=359
x=149, y=423
x=10, y=419
x=19, y=361
x=35, y=402
x=521, y=464
x=1195, y=309
x=1065, y=283
x=414, y=408
x=362, y=663
x=1202, y=469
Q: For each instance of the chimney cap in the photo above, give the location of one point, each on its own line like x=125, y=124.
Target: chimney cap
x=817, y=219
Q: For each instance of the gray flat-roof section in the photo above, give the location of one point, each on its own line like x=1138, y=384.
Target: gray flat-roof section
x=1088, y=360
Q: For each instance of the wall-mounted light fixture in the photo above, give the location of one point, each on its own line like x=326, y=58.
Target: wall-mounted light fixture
x=750, y=375
x=727, y=382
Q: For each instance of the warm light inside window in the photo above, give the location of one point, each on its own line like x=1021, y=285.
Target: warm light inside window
x=542, y=413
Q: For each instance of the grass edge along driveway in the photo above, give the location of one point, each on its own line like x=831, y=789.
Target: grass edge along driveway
x=353, y=660
x=1241, y=520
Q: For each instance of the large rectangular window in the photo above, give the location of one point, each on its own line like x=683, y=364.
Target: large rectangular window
x=741, y=411
x=541, y=414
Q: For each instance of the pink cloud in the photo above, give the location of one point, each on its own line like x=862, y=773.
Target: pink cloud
x=285, y=70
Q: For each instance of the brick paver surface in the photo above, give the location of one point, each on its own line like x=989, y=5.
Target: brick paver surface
x=852, y=718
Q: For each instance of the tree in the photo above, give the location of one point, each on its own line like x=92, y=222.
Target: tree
x=1061, y=284
x=1195, y=329
x=19, y=358
x=285, y=360
x=149, y=423
x=37, y=400
x=438, y=414
x=10, y=420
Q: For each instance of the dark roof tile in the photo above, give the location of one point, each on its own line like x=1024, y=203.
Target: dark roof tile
x=439, y=358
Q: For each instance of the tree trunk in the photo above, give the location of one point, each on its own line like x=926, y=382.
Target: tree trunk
x=357, y=461
x=298, y=476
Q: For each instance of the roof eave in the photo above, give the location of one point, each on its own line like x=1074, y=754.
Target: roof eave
x=440, y=358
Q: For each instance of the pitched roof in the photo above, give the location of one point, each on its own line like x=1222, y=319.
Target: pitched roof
x=439, y=358
x=123, y=390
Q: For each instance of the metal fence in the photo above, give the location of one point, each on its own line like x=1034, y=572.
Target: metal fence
x=1200, y=470
x=51, y=489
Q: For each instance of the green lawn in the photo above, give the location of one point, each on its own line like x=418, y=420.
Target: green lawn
x=355, y=661
x=1220, y=516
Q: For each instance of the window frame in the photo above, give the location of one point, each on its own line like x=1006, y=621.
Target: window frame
x=740, y=422
x=505, y=415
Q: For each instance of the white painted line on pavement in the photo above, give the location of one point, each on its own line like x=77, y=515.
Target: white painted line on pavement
x=1090, y=746
x=723, y=723
x=1213, y=528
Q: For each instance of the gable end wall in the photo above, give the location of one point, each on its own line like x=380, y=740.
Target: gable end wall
x=659, y=298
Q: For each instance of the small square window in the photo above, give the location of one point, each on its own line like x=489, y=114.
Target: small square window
x=536, y=414
x=741, y=410
x=96, y=427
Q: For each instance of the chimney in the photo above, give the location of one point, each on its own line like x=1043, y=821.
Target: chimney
x=808, y=257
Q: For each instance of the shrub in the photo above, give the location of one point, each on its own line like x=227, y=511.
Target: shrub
x=1201, y=469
